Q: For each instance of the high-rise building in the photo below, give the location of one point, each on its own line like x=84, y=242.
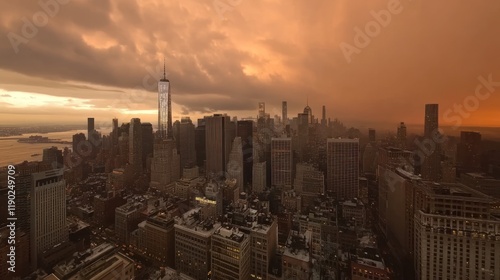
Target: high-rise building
x=457, y=233
x=431, y=163
x=230, y=254
x=200, y=145
x=147, y=142
x=187, y=143
x=262, y=110
x=284, y=113
x=165, y=164
x=90, y=127
x=401, y=136
x=48, y=211
x=135, y=146
x=281, y=162
x=259, y=177
x=157, y=238
x=244, y=129
x=127, y=217
x=53, y=157
x=323, y=117
x=193, y=239
x=469, y=152
x=235, y=163
x=79, y=146
x=164, y=108
x=343, y=167
x=263, y=245
x=371, y=135
x=302, y=136
x=308, y=183
x=219, y=136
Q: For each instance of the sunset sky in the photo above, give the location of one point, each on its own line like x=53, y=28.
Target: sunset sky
x=102, y=58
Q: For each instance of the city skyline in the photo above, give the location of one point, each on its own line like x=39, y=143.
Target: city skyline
x=239, y=61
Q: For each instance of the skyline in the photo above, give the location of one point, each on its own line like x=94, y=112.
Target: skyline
x=242, y=59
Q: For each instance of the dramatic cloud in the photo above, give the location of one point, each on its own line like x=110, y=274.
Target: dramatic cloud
x=88, y=54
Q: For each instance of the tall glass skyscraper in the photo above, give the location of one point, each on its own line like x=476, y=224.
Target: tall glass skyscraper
x=164, y=108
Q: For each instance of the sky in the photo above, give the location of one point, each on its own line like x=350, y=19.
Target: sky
x=371, y=63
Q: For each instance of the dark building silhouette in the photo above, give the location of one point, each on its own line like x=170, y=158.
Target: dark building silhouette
x=431, y=163
x=199, y=135
x=245, y=131
x=469, y=152
x=147, y=142
x=90, y=126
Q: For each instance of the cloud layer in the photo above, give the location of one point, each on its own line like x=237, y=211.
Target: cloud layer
x=226, y=56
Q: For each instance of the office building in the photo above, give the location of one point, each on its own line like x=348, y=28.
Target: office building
x=259, y=177
x=262, y=110
x=284, y=113
x=157, y=238
x=200, y=147
x=457, y=233
x=187, y=148
x=235, y=163
x=343, y=168
x=193, y=240
x=230, y=254
x=281, y=162
x=165, y=164
x=431, y=161
x=244, y=129
x=401, y=136
x=147, y=143
x=90, y=127
x=53, y=157
x=219, y=136
x=127, y=217
x=296, y=256
x=165, y=130
x=469, y=152
x=135, y=147
x=48, y=212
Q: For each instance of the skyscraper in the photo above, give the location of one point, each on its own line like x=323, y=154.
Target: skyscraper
x=147, y=142
x=262, y=109
x=164, y=108
x=469, y=152
x=187, y=142
x=135, y=146
x=48, y=211
x=323, y=117
x=219, y=135
x=431, y=164
x=53, y=156
x=401, y=135
x=90, y=126
x=235, y=163
x=200, y=143
x=431, y=124
x=343, y=167
x=165, y=165
x=281, y=162
x=244, y=130
x=284, y=113
x=371, y=135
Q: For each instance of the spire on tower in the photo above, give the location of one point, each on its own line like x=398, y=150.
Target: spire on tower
x=164, y=72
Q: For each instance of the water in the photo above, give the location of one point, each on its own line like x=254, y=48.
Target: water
x=13, y=152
